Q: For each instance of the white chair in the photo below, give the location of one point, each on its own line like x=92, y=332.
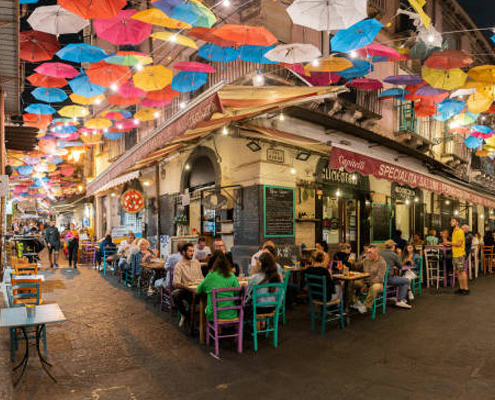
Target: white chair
x=434, y=267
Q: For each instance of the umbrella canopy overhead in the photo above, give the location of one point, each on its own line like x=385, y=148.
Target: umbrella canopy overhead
x=81, y=52
x=255, y=54
x=483, y=73
x=40, y=108
x=147, y=114
x=448, y=59
x=473, y=142
x=81, y=85
x=118, y=100
x=378, y=50
x=56, y=20
x=194, y=66
x=129, y=58
x=155, y=103
x=365, y=84
x=98, y=123
x=116, y=115
x=46, y=81
x=86, y=101
x=403, y=80
x=175, y=38
x=155, y=16
x=164, y=94
x=92, y=9
x=129, y=90
x=206, y=34
x=478, y=103
x=57, y=70
x=293, y=53
x=154, y=77
x=213, y=52
x=187, y=81
x=327, y=15
x=330, y=64
x=245, y=34
x=358, y=35
x=428, y=90
x=449, y=108
x=73, y=112
x=49, y=95
x=106, y=75
x=359, y=69
x=190, y=11
x=122, y=29
x=447, y=79
x=393, y=93
x=37, y=46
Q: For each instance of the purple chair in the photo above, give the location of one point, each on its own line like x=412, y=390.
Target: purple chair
x=166, y=299
x=213, y=328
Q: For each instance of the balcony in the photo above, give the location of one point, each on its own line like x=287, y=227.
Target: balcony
x=455, y=153
x=413, y=131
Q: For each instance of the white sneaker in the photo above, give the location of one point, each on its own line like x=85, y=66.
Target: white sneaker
x=402, y=304
x=182, y=320
x=410, y=295
x=360, y=307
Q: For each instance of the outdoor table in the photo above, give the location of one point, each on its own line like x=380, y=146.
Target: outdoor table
x=153, y=269
x=16, y=317
x=193, y=288
x=353, y=276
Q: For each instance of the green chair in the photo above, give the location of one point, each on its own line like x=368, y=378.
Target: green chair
x=284, y=300
x=381, y=298
x=267, y=296
x=331, y=310
x=416, y=283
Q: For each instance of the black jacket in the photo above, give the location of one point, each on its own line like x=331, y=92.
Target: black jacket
x=52, y=235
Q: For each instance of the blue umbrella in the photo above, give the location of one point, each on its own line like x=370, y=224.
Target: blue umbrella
x=55, y=160
x=81, y=52
x=212, y=52
x=65, y=129
x=360, y=68
x=481, y=128
x=188, y=81
x=113, y=135
x=25, y=170
x=50, y=95
x=449, y=108
x=83, y=87
x=256, y=54
x=394, y=92
x=472, y=142
x=167, y=6
x=28, y=1
x=358, y=35
x=62, y=120
x=39, y=108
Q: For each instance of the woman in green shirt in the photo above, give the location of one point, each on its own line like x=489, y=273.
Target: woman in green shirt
x=220, y=277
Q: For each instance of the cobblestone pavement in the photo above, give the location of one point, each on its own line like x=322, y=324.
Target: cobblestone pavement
x=117, y=346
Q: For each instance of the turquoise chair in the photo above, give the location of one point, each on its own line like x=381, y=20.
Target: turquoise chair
x=416, y=283
x=286, y=282
x=107, y=252
x=271, y=319
x=131, y=278
x=381, y=298
x=317, y=291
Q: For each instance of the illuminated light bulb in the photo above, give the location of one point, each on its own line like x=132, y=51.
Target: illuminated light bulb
x=173, y=38
x=105, y=130
x=482, y=216
x=146, y=183
x=408, y=202
x=447, y=202
x=156, y=114
x=353, y=54
x=139, y=67
x=98, y=101
x=453, y=125
x=416, y=199
x=431, y=38
x=85, y=133
x=136, y=121
x=293, y=171
x=66, y=124
x=338, y=193
x=119, y=126
x=226, y=3
x=187, y=167
x=114, y=87
x=315, y=63
x=281, y=117
x=80, y=188
x=483, y=118
x=182, y=105
x=225, y=131
x=456, y=212
x=113, y=194
x=74, y=119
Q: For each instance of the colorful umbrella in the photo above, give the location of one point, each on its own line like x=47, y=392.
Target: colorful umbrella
x=378, y=50
x=129, y=58
x=106, y=75
x=57, y=70
x=37, y=46
x=194, y=66
x=37, y=120
x=448, y=59
x=482, y=153
x=327, y=15
x=81, y=86
x=152, y=78
x=323, y=78
x=50, y=95
x=129, y=90
x=64, y=129
x=73, y=112
x=358, y=35
x=116, y=115
x=487, y=90
x=175, y=38
x=393, y=93
x=481, y=128
x=212, y=52
x=449, y=108
x=190, y=11
x=478, y=103
x=206, y=34
x=293, y=53
x=122, y=29
x=255, y=54
x=87, y=101
x=245, y=34
x=46, y=81
x=112, y=135
x=448, y=79
x=164, y=94
x=483, y=73
x=147, y=114
x=473, y=142
x=126, y=124
x=154, y=16
x=25, y=170
x=155, y=103
x=117, y=100
x=427, y=90
x=56, y=20
x=98, y=123
x=359, y=69
x=466, y=118
x=187, y=81
x=365, y=84
x=81, y=52
x=330, y=64
x=462, y=92
x=92, y=9
x=40, y=108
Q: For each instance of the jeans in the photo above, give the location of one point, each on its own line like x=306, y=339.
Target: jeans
x=73, y=248
x=402, y=283
x=180, y=296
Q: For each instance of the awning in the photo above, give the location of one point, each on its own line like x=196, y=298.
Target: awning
x=154, y=157
x=117, y=181
x=354, y=162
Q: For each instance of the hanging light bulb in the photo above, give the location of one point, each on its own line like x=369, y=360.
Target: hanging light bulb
x=431, y=38
x=226, y=3
x=225, y=131
x=74, y=119
x=119, y=126
x=315, y=62
x=353, y=54
x=136, y=121
x=98, y=101
x=281, y=117
x=187, y=167
x=139, y=67
x=258, y=78
x=114, y=87
x=105, y=130
x=156, y=114
x=408, y=202
x=173, y=38
x=182, y=105
x=338, y=193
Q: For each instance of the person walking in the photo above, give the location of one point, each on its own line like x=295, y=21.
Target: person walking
x=52, y=239
x=72, y=238
x=458, y=252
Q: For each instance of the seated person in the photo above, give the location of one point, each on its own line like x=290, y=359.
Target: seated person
x=106, y=242
x=219, y=244
x=394, y=264
x=411, y=259
x=334, y=291
x=431, y=239
x=187, y=270
x=444, y=238
x=417, y=240
x=322, y=246
x=170, y=264
x=124, y=251
x=201, y=251
x=400, y=242
x=343, y=255
x=143, y=255
x=220, y=277
x=256, y=256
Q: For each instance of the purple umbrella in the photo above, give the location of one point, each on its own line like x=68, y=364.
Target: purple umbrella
x=403, y=80
x=427, y=90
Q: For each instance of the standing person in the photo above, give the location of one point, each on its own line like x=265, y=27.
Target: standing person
x=72, y=238
x=201, y=250
x=458, y=253
x=52, y=239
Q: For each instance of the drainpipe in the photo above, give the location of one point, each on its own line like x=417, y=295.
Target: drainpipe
x=2, y=172
x=157, y=188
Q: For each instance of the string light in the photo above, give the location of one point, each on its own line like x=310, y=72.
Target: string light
x=156, y=114
x=98, y=101
x=225, y=131
x=353, y=54
x=114, y=87
x=119, y=126
x=431, y=38
x=315, y=63
x=136, y=121
x=281, y=117
x=173, y=38
x=226, y=3
x=187, y=167
x=139, y=67
x=258, y=78
x=182, y=105
x=338, y=193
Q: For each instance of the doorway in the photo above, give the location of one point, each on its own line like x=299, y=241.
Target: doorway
x=340, y=222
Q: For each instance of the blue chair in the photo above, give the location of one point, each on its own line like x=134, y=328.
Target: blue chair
x=381, y=298
x=284, y=300
x=317, y=291
x=416, y=283
x=133, y=278
x=107, y=252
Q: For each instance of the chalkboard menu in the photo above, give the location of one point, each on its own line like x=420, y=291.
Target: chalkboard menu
x=279, y=215
x=381, y=222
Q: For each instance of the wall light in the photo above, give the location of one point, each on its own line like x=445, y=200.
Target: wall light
x=338, y=193
x=303, y=156
x=187, y=167
x=447, y=202
x=408, y=202
x=293, y=171
x=225, y=131
x=253, y=146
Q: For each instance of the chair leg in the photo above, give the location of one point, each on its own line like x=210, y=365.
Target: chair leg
x=239, y=338
x=373, y=313
x=12, y=344
x=275, y=333
x=384, y=300
x=45, y=345
x=217, y=340
x=255, y=334
x=323, y=318
x=341, y=312
x=207, y=334
x=284, y=321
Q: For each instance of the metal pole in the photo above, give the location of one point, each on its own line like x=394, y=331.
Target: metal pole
x=157, y=188
x=2, y=172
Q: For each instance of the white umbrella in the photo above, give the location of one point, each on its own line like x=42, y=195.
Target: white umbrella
x=293, y=53
x=462, y=92
x=56, y=20
x=328, y=15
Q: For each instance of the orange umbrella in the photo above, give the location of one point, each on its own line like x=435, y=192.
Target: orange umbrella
x=206, y=34
x=105, y=74
x=164, y=94
x=448, y=59
x=123, y=101
x=92, y=9
x=37, y=120
x=37, y=79
x=245, y=34
x=37, y=46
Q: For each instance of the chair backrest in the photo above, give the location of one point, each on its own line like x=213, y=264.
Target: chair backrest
x=27, y=269
x=25, y=291
x=317, y=287
x=488, y=250
x=170, y=274
x=268, y=295
x=238, y=297
x=109, y=251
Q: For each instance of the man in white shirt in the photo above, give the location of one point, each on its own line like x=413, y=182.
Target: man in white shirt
x=125, y=250
x=201, y=251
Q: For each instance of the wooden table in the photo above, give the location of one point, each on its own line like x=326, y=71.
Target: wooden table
x=352, y=276
x=193, y=288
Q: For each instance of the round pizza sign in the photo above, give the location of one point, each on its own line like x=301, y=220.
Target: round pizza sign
x=132, y=201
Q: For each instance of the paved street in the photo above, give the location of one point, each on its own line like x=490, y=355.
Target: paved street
x=116, y=346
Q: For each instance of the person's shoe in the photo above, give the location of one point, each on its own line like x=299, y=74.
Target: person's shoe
x=410, y=295
x=466, y=292
x=402, y=304
x=51, y=265
x=182, y=321
x=151, y=292
x=75, y=266
x=360, y=307
x=459, y=291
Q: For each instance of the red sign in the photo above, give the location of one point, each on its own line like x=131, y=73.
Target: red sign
x=353, y=162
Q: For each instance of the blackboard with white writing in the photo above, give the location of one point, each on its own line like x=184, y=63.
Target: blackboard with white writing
x=279, y=215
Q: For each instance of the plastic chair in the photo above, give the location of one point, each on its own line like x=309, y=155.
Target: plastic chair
x=213, y=328
x=381, y=298
x=107, y=252
x=271, y=318
x=26, y=269
x=130, y=277
x=416, y=283
x=317, y=290
x=88, y=253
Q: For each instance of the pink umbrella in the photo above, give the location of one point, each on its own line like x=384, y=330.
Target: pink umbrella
x=481, y=135
x=365, y=84
x=129, y=90
x=127, y=123
x=68, y=136
x=297, y=68
x=121, y=29
x=194, y=66
x=67, y=170
x=155, y=103
x=57, y=70
x=323, y=78
x=378, y=50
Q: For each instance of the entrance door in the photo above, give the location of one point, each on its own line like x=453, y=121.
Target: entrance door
x=403, y=219
x=340, y=222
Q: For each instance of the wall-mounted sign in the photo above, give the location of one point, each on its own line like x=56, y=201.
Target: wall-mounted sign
x=400, y=192
x=278, y=211
x=341, y=176
x=275, y=156
x=132, y=201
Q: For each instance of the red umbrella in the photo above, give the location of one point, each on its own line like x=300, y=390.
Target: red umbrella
x=57, y=70
x=129, y=90
x=378, y=50
x=448, y=59
x=46, y=81
x=206, y=34
x=121, y=29
x=164, y=94
x=37, y=120
x=91, y=9
x=365, y=84
x=245, y=34
x=194, y=66
x=37, y=46
x=155, y=103
x=123, y=101
x=105, y=74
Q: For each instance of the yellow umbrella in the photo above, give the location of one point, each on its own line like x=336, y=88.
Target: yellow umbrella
x=483, y=73
x=418, y=7
x=147, y=114
x=463, y=119
x=154, y=16
x=478, y=103
x=447, y=79
x=87, y=101
x=482, y=153
x=91, y=137
x=52, y=167
x=328, y=64
x=98, y=123
x=155, y=77
x=73, y=111
x=175, y=38
x=487, y=90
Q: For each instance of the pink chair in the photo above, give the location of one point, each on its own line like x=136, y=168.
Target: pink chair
x=213, y=328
